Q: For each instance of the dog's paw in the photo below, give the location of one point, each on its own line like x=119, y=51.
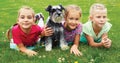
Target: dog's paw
x=48, y=48
x=65, y=47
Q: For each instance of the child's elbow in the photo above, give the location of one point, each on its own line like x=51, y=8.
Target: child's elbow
x=92, y=44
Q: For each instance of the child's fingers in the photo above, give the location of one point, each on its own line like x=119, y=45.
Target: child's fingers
x=108, y=44
x=79, y=53
x=76, y=52
x=48, y=31
x=105, y=38
x=48, y=28
x=31, y=53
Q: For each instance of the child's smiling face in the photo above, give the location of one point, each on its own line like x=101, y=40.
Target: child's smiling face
x=72, y=19
x=25, y=19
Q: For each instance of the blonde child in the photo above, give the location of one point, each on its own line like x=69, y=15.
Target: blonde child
x=26, y=33
x=96, y=29
x=73, y=27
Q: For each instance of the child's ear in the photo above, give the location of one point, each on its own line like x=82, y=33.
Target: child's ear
x=65, y=17
x=34, y=21
x=17, y=21
x=91, y=18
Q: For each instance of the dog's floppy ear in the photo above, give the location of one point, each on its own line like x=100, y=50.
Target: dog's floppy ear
x=48, y=8
x=62, y=7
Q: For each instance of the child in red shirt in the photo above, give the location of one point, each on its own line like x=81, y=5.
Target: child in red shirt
x=26, y=33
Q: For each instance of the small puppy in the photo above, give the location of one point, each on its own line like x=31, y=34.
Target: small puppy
x=55, y=22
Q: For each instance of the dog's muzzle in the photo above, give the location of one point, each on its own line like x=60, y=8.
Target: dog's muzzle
x=57, y=17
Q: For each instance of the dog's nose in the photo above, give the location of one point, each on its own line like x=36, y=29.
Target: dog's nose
x=59, y=14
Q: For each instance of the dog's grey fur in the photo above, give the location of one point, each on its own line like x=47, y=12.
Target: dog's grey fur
x=55, y=22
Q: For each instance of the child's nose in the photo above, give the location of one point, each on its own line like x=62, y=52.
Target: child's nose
x=74, y=21
x=26, y=19
x=102, y=19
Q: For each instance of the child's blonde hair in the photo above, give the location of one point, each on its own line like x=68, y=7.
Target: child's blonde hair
x=26, y=8
x=72, y=7
x=97, y=6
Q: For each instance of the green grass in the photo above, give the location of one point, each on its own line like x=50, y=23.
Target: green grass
x=8, y=16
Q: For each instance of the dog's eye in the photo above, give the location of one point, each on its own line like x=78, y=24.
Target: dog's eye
x=53, y=10
x=60, y=9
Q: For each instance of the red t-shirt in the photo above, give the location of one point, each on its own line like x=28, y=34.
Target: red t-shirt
x=27, y=39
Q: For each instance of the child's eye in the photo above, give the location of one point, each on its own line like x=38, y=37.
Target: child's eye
x=104, y=16
x=22, y=17
x=77, y=19
x=29, y=17
x=71, y=18
x=98, y=16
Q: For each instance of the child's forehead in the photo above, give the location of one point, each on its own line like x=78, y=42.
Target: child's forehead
x=73, y=12
x=99, y=12
x=25, y=12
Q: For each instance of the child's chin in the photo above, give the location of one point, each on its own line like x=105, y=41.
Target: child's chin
x=72, y=28
x=101, y=25
x=26, y=27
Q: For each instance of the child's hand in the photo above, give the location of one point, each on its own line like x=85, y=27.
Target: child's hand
x=47, y=31
x=30, y=52
x=106, y=42
x=75, y=50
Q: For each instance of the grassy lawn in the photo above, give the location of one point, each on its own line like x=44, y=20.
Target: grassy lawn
x=8, y=16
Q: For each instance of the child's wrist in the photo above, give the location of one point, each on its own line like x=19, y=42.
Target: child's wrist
x=42, y=33
x=75, y=45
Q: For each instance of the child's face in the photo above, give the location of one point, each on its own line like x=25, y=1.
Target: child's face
x=25, y=19
x=99, y=18
x=72, y=19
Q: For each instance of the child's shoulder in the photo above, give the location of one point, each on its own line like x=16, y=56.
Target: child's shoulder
x=87, y=24
x=80, y=25
x=107, y=25
x=15, y=27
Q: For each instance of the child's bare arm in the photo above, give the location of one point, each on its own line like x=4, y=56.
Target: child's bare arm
x=74, y=49
x=26, y=51
x=92, y=43
x=76, y=40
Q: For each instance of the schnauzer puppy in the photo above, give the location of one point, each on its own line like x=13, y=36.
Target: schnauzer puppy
x=55, y=22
